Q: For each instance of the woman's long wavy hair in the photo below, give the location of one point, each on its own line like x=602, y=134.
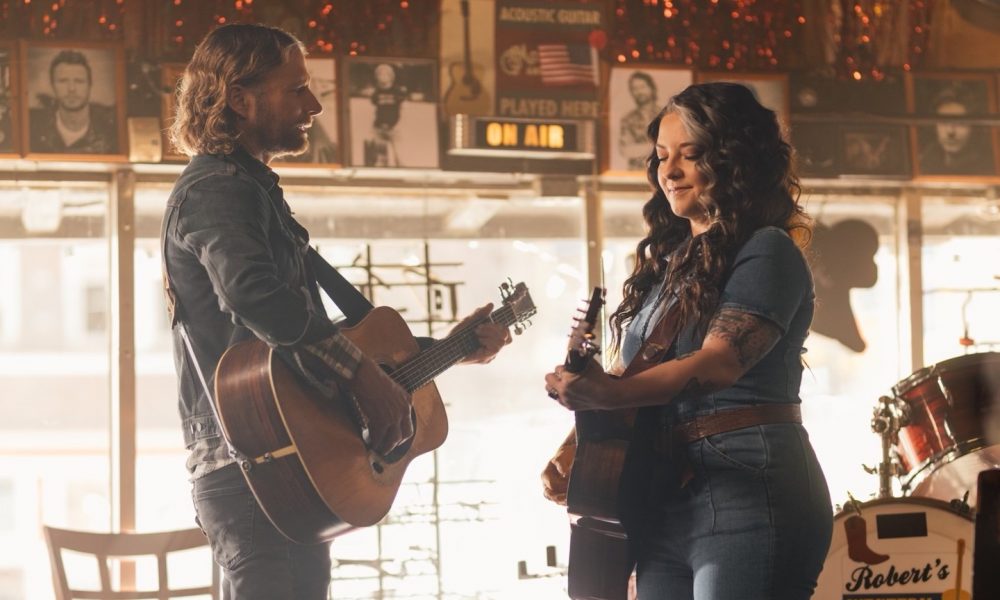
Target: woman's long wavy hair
x=236, y=54
x=750, y=183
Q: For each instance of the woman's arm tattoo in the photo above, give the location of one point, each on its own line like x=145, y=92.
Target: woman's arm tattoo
x=750, y=336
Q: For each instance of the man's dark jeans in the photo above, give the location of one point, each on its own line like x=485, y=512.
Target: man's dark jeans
x=258, y=562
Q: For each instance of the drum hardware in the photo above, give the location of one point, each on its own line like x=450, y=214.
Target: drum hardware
x=888, y=417
x=962, y=505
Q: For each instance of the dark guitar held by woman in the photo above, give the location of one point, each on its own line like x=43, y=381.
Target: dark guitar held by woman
x=720, y=494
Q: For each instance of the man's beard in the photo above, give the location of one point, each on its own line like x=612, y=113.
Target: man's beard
x=287, y=142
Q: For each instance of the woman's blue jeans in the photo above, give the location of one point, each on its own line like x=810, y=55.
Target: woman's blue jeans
x=754, y=522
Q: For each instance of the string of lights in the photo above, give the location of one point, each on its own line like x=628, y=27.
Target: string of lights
x=736, y=35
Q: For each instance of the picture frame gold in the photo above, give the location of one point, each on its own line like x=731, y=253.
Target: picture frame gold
x=626, y=147
x=947, y=141
x=93, y=74
x=10, y=133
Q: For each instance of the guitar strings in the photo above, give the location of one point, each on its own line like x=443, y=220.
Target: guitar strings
x=413, y=374
x=445, y=349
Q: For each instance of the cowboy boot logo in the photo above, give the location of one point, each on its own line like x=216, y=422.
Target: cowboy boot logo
x=857, y=542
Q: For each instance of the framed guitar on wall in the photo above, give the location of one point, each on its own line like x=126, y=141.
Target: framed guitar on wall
x=467, y=92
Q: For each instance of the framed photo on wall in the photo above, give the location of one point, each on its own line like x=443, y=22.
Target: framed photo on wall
x=771, y=89
x=170, y=78
x=881, y=150
x=74, y=104
x=324, y=142
x=391, y=112
x=815, y=146
x=954, y=146
x=9, y=134
x=636, y=94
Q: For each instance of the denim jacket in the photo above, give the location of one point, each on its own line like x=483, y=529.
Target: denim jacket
x=236, y=262
x=768, y=278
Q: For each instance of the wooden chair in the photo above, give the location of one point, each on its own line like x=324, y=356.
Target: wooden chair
x=122, y=546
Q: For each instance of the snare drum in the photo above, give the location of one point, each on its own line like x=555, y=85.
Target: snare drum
x=944, y=446
x=898, y=548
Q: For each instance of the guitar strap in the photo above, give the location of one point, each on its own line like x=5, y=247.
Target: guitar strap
x=175, y=321
x=348, y=299
x=655, y=347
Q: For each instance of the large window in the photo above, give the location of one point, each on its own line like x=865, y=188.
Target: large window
x=961, y=276
x=54, y=373
x=470, y=520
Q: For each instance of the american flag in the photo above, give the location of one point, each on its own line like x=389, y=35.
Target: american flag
x=564, y=64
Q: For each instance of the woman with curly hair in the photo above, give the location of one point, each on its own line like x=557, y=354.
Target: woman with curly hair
x=723, y=497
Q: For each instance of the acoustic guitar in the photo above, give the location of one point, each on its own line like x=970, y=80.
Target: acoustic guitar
x=465, y=94
x=600, y=562
x=307, y=463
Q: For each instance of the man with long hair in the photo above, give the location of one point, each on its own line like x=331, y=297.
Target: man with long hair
x=236, y=266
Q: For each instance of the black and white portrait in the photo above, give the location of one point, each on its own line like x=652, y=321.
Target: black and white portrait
x=8, y=99
x=74, y=99
x=816, y=148
x=770, y=89
x=392, y=112
x=323, y=146
x=954, y=145
x=635, y=96
x=874, y=150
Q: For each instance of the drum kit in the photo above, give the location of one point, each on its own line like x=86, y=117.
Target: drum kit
x=938, y=431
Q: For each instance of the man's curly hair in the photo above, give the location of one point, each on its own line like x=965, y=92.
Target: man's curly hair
x=236, y=54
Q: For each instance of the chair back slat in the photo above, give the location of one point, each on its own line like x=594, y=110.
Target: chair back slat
x=105, y=546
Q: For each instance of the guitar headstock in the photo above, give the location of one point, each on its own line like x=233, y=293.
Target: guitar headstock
x=581, y=338
x=517, y=299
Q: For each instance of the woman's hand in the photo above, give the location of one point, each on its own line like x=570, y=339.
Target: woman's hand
x=589, y=389
x=555, y=476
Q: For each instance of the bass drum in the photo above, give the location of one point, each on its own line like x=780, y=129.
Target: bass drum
x=899, y=548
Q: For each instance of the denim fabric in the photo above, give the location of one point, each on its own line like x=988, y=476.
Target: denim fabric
x=754, y=522
x=258, y=563
x=237, y=266
x=769, y=278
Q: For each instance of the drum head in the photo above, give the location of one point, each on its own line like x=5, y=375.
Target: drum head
x=898, y=548
x=956, y=477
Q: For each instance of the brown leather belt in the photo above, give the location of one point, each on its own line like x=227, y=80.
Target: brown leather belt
x=735, y=418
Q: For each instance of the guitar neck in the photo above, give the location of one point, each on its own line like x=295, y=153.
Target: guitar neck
x=465, y=24
x=424, y=367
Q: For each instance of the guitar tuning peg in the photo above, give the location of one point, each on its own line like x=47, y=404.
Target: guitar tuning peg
x=518, y=329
